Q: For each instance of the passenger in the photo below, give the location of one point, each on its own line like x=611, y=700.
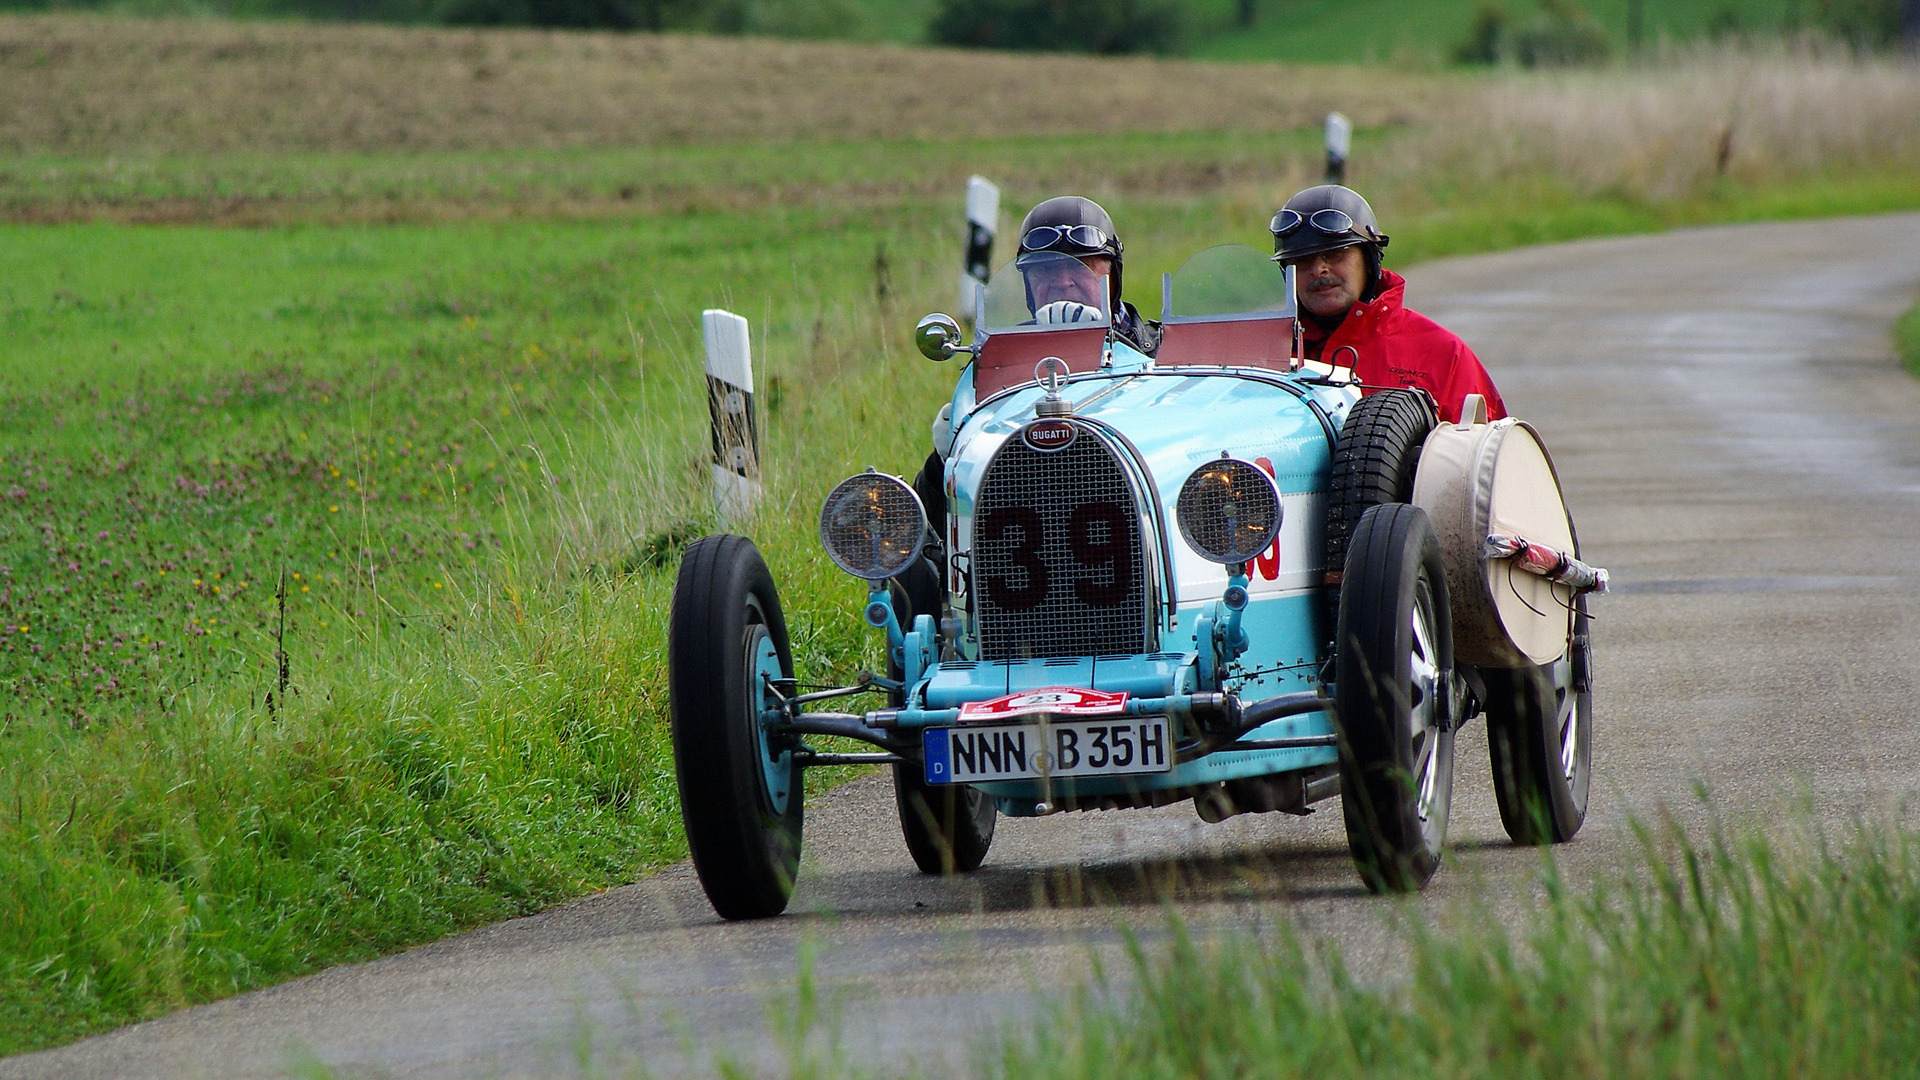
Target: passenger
x=1354, y=311
x=1077, y=226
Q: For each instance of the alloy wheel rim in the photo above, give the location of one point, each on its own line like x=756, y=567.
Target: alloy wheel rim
x=1424, y=715
x=1566, y=716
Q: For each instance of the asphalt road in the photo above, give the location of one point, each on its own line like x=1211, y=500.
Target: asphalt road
x=1738, y=445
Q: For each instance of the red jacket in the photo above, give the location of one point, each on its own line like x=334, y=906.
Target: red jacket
x=1399, y=347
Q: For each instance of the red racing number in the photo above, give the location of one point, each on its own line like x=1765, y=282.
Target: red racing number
x=1267, y=564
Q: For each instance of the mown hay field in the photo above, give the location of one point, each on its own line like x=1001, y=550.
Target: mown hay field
x=73, y=83
x=318, y=320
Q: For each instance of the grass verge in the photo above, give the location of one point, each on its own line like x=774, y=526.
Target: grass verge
x=1906, y=336
x=1726, y=956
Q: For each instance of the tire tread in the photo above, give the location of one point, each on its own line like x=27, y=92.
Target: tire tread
x=1390, y=547
x=1373, y=461
x=719, y=790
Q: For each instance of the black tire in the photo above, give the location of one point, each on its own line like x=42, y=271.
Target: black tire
x=1540, y=737
x=948, y=827
x=925, y=581
x=930, y=483
x=1394, y=700
x=1374, y=460
x=726, y=629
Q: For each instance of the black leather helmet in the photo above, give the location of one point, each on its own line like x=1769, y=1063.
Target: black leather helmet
x=1073, y=225
x=1325, y=218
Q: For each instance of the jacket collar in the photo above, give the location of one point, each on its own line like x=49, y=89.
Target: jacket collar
x=1368, y=315
x=1371, y=313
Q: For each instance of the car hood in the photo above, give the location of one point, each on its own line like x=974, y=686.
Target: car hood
x=1170, y=422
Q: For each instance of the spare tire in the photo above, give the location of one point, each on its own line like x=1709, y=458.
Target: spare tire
x=1374, y=460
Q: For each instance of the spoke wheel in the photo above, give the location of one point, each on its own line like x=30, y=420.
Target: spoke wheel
x=1395, y=648
x=1540, y=737
x=740, y=790
x=1427, y=722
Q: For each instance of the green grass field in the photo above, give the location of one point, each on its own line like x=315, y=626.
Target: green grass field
x=472, y=451
x=443, y=409
x=1363, y=31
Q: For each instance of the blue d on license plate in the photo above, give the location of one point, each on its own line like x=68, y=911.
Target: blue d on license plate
x=1107, y=747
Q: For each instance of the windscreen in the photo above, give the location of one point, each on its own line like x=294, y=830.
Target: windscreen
x=1045, y=290
x=1228, y=280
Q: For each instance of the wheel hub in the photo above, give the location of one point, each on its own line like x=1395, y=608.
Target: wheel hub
x=776, y=764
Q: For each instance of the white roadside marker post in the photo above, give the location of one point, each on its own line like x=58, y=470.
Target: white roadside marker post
x=736, y=436
x=1339, y=142
x=983, y=215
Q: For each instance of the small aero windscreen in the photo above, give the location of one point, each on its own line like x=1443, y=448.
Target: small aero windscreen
x=1045, y=290
x=1042, y=304
x=1228, y=305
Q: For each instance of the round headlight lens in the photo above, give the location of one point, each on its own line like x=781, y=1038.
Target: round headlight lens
x=1229, y=511
x=872, y=526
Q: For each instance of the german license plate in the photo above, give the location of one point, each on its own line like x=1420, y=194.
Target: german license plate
x=1116, y=746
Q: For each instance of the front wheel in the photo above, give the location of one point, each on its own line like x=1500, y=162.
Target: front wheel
x=1540, y=737
x=740, y=791
x=1393, y=656
x=948, y=827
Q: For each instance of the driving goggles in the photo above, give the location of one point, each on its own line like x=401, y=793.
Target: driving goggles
x=1329, y=221
x=1072, y=239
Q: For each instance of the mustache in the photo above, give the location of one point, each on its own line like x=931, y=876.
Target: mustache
x=1325, y=281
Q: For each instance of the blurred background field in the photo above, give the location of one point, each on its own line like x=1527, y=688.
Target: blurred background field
x=394, y=330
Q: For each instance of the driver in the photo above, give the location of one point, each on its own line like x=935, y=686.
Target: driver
x=1077, y=226
x=1354, y=311
x=1059, y=292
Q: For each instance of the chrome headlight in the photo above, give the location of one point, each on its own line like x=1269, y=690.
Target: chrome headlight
x=872, y=526
x=1229, y=511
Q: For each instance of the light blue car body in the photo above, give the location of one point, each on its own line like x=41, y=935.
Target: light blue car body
x=1164, y=423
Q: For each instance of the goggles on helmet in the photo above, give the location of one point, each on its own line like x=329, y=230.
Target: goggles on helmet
x=1329, y=221
x=1071, y=239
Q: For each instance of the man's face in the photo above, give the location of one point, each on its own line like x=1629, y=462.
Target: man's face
x=1330, y=283
x=1061, y=279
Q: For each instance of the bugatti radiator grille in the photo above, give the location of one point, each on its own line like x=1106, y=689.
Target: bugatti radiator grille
x=1059, y=568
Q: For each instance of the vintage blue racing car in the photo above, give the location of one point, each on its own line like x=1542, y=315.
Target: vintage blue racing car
x=1199, y=575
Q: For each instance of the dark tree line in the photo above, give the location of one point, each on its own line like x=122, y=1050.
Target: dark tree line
x=1559, y=32
x=1094, y=26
